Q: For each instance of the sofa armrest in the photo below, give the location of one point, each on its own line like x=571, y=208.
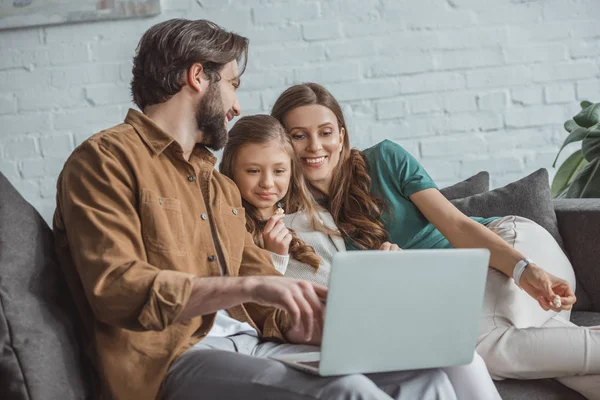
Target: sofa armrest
x=579, y=226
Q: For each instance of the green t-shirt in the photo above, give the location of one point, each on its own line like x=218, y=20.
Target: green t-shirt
x=396, y=175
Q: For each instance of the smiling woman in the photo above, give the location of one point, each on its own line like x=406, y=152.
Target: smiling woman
x=319, y=134
x=318, y=146
x=383, y=193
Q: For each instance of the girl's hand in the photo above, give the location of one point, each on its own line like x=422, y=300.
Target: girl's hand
x=544, y=287
x=387, y=246
x=276, y=236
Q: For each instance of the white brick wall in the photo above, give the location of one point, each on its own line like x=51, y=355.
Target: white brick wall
x=464, y=85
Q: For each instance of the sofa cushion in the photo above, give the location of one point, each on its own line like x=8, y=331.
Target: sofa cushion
x=40, y=356
x=585, y=318
x=579, y=224
x=478, y=183
x=528, y=197
x=538, y=389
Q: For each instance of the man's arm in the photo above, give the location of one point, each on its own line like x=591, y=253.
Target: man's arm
x=96, y=198
x=275, y=303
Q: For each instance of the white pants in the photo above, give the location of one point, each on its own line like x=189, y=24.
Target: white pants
x=472, y=381
x=517, y=338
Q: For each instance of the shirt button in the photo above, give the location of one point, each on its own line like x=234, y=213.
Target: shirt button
x=235, y=212
x=204, y=216
x=192, y=178
x=212, y=258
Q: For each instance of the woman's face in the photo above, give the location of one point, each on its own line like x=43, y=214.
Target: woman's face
x=262, y=173
x=317, y=140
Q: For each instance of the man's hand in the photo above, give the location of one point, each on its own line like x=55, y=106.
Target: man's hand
x=303, y=301
x=276, y=236
x=387, y=246
x=543, y=286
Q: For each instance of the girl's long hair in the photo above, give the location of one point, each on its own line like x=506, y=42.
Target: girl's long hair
x=262, y=129
x=356, y=212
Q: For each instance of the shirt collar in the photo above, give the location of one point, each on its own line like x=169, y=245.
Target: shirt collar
x=154, y=137
x=157, y=139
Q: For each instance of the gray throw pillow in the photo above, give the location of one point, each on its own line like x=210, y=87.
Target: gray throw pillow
x=478, y=183
x=528, y=197
x=40, y=357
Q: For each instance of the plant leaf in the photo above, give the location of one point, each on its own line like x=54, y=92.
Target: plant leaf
x=562, y=195
x=585, y=104
x=571, y=125
x=591, y=144
x=587, y=183
x=567, y=172
x=588, y=116
x=576, y=135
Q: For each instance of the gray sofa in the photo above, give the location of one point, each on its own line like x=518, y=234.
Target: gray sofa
x=41, y=357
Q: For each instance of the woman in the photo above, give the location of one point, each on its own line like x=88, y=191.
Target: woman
x=383, y=194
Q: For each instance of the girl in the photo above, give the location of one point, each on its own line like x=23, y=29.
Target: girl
x=260, y=159
x=384, y=194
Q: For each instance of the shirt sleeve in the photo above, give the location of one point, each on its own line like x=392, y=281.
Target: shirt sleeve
x=272, y=322
x=280, y=262
x=407, y=174
x=96, y=206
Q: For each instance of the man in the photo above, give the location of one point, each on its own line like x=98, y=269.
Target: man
x=153, y=243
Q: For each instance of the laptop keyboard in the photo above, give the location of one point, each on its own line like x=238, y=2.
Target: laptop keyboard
x=314, y=364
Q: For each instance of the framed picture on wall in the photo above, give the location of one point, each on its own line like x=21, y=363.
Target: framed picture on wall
x=23, y=13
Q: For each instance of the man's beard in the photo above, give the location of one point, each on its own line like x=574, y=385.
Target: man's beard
x=210, y=118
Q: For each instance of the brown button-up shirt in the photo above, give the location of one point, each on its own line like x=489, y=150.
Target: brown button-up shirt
x=135, y=223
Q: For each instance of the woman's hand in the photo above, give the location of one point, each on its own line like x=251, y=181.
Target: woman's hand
x=387, y=246
x=276, y=236
x=544, y=287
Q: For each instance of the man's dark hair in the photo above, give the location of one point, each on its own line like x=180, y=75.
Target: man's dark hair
x=168, y=49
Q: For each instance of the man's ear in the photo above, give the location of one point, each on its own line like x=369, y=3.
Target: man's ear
x=195, y=77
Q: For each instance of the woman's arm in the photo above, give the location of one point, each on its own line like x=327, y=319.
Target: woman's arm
x=463, y=232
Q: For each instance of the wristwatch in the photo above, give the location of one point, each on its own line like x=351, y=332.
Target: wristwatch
x=520, y=268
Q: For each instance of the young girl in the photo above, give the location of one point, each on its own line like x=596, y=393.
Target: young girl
x=383, y=193
x=260, y=159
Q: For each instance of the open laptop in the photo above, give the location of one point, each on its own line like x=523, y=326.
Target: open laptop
x=399, y=310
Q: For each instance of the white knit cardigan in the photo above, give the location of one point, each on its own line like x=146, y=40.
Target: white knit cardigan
x=325, y=246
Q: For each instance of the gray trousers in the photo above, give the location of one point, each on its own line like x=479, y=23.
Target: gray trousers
x=238, y=367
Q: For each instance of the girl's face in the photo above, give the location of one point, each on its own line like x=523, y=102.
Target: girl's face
x=317, y=140
x=262, y=173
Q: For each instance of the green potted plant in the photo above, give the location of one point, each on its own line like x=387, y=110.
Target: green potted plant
x=579, y=175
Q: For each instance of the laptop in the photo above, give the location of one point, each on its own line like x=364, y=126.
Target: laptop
x=399, y=310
